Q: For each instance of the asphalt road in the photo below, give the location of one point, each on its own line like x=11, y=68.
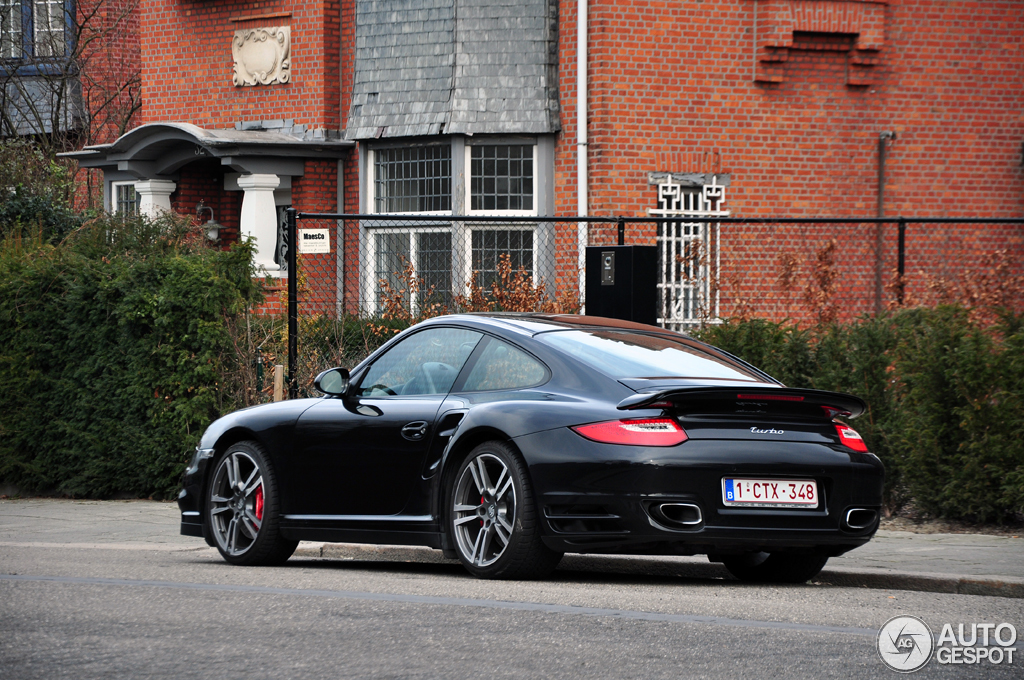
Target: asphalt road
x=92, y=598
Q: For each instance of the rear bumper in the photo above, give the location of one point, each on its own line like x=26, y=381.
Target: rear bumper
x=607, y=498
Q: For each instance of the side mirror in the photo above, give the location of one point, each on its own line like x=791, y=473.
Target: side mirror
x=333, y=381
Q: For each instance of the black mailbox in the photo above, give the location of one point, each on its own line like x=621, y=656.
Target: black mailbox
x=622, y=282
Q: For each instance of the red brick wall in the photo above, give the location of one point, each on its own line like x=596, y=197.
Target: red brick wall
x=203, y=181
x=672, y=85
x=187, y=62
x=110, y=62
x=108, y=56
x=316, y=191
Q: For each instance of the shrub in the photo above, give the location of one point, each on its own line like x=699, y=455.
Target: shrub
x=115, y=353
x=36, y=193
x=960, y=392
x=945, y=398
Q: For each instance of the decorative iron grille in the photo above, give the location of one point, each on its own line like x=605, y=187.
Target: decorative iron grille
x=688, y=252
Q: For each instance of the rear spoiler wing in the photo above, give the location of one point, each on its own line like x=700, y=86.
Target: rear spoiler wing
x=842, y=404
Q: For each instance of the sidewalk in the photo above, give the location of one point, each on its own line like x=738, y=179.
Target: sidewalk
x=972, y=564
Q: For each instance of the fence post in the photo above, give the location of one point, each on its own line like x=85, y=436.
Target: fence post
x=293, y=304
x=278, y=382
x=622, y=232
x=900, y=258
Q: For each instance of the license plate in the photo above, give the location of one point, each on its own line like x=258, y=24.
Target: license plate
x=769, y=493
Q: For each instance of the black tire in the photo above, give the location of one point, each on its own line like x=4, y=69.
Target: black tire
x=242, y=510
x=779, y=567
x=499, y=535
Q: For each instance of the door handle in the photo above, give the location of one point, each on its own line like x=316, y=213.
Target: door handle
x=415, y=431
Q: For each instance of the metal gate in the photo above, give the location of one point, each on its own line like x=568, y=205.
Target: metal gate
x=688, y=251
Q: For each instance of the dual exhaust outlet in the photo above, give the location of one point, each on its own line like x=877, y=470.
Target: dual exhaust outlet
x=688, y=516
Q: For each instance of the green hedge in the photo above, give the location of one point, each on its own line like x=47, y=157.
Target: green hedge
x=117, y=348
x=945, y=396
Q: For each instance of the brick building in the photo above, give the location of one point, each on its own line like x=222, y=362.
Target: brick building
x=751, y=108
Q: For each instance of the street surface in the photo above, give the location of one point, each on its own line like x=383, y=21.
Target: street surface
x=109, y=589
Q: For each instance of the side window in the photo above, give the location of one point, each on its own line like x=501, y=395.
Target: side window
x=503, y=367
x=423, y=363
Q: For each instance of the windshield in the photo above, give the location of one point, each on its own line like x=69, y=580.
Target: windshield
x=627, y=354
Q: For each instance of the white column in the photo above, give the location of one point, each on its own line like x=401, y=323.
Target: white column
x=154, y=196
x=259, y=217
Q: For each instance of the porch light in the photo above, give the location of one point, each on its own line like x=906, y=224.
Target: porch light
x=212, y=227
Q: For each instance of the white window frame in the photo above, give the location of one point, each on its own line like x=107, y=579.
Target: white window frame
x=12, y=40
x=373, y=231
x=461, y=232
x=115, y=203
x=467, y=272
x=26, y=38
x=469, y=179
x=51, y=37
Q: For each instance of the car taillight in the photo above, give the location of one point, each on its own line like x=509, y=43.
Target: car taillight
x=850, y=437
x=833, y=411
x=638, y=432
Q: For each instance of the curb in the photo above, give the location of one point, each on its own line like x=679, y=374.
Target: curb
x=989, y=586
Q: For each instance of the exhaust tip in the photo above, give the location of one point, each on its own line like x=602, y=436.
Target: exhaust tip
x=686, y=515
x=860, y=518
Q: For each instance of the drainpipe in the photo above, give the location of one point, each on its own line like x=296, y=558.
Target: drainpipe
x=582, y=199
x=883, y=145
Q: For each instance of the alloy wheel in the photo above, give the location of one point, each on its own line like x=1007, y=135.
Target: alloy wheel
x=484, y=510
x=236, y=502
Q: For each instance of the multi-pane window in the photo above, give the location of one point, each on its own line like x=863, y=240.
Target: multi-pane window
x=33, y=28
x=489, y=245
x=501, y=177
x=125, y=198
x=10, y=29
x=430, y=255
x=446, y=255
x=48, y=26
x=413, y=180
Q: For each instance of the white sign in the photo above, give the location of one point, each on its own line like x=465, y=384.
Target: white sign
x=314, y=240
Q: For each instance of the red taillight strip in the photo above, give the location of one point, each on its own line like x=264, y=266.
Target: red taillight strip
x=850, y=437
x=770, y=397
x=637, y=432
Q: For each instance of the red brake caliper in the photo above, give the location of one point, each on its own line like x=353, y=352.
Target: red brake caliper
x=259, y=503
x=481, y=503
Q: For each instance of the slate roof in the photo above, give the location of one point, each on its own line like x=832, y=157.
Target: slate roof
x=428, y=67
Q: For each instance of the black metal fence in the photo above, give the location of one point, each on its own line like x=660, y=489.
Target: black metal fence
x=395, y=269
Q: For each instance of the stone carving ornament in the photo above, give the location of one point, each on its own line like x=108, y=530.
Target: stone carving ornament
x=262, y=55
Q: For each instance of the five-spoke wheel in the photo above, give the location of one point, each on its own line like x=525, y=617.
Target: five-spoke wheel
x=484, y=509
x=241, y=509
x=492, y=517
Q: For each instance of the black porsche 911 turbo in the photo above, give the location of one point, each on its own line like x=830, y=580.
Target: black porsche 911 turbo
x=507, y=440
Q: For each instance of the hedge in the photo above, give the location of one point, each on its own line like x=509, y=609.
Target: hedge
x=117, y=348
x=945, y=397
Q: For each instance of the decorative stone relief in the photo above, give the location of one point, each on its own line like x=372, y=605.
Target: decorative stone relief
x=262, y=55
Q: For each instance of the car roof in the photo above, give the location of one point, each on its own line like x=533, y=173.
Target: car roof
x=532, y=323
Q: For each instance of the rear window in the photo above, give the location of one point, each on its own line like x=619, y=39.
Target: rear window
x=626, y=354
